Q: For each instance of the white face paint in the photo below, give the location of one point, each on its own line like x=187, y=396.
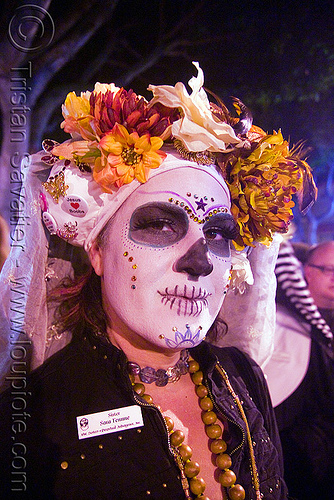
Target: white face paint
x=163, y=272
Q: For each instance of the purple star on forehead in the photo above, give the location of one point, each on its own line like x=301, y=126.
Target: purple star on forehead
x=201, y=205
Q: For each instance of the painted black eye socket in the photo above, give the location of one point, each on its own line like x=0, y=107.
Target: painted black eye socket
x=218, y=232
x=158, y=224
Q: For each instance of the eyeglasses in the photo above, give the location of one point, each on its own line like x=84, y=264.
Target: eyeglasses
x=326, y=270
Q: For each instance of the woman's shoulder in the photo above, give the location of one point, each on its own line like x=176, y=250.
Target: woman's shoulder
x=242, y=371
x=234, y=361
x=234, y=356
x=56, y=369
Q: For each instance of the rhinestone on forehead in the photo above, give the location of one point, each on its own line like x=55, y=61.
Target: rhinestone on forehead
x=193, y=216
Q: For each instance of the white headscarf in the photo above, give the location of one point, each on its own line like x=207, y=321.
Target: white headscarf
x=27, y=332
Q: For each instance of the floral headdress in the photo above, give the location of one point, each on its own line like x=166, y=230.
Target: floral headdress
x=117, y=137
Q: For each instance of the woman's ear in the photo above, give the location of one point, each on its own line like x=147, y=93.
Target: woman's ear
x=95, y=257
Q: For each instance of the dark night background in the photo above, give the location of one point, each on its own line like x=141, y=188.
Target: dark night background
x=277, y=57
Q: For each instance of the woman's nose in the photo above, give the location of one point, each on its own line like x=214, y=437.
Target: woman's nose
x=196, y=261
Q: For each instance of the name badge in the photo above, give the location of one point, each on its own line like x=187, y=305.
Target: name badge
x=109, y=421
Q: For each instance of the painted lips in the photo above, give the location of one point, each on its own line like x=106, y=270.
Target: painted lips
x=188, y=301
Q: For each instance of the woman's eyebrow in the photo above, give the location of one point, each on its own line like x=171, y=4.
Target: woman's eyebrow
x=226, y=222
x=202, y=202
x=158, y=207
x=222, y=217
x=215, y=207
x=176, y=196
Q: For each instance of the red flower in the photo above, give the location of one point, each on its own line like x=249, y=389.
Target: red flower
x=133, y=112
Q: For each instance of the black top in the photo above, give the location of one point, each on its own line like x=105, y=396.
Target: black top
x=41, y=453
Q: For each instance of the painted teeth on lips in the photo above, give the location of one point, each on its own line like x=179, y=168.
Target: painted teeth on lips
x=186, y=292
x=186, y=302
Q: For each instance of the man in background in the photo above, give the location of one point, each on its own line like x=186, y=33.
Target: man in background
x=319, y=274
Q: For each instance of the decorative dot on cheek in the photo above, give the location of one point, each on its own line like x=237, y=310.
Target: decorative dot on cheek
x=134, y=266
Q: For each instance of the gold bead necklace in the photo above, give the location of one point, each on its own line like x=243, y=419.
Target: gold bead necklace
x=190, y=469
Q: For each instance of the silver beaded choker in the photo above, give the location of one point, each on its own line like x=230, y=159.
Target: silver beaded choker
x=161, y=377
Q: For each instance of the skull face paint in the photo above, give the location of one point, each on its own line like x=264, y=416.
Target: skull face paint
x=164, y=273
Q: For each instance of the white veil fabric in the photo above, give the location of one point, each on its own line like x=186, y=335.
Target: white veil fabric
x=249, y=310
x=24, y=280
x=35, y=264
x=38, y=262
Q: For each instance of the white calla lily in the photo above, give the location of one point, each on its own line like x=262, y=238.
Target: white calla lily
x=198, y=128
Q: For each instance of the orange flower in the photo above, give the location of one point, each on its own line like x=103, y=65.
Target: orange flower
x=125, y=157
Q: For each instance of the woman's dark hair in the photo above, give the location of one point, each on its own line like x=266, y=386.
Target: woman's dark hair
x=302, y=251
x=78, y=300
x=217, y=330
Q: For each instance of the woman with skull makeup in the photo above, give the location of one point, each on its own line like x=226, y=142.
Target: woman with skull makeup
x=127, y=398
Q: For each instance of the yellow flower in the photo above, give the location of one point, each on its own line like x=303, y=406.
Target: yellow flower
x=126, y=157
x=262, y=186
x=76, y=111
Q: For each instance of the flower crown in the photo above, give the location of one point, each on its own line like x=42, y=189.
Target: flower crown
x=118, y=135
